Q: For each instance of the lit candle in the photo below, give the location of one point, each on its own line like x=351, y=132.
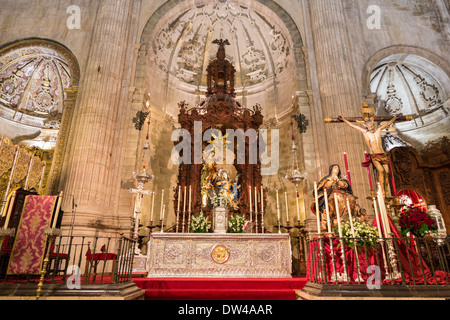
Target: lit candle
x=278, y=207
x=58, y=206
x=346, y=168
x=327, y=210
x=336, y=204
x=298, y=207
x=366, y=157
x=317, y=207
x=179, y=199
x=287, y=207
x=153, y=205
x=10, y=207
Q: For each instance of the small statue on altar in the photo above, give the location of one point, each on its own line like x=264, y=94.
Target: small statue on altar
x=334, y=183
x=208, y=177
x=372, y=135
x=227, y=188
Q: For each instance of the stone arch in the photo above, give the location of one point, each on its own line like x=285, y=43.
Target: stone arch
x=68, y=76
x=263, y=5
x=437, y=60
x=411, y=81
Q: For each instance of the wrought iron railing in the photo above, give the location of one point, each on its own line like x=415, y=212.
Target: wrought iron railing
x=83, y=259
x=389, y=261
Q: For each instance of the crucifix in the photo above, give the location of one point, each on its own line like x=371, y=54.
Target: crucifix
x=140, y=192
x=372, y=136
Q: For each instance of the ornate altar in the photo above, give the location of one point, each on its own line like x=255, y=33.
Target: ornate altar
x=243, y=255
x=206, y=180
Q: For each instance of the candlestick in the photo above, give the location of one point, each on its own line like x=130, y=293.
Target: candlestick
x=10, y=207
x=319, y=229
x=327, y=210
x=287, y=207
x=346, y=168
x=58, y=206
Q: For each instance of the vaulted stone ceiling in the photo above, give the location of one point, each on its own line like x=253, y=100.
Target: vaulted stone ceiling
x=260, y=47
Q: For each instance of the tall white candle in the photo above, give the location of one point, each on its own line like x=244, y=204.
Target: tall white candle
x=153, y=205
x=190, y=198
x=58, y=206
x=162, y=218
x=317, y=208
x=377, y=218
x=327, y=210
x=350, y=217
x=383, y=213
x=250, y=197
x=336, y=204
x=298, y=207
x=256, y=201
x=184, y=199
x=278, y=207
x=179, y=199
x=287, y=207
x=162, y=204
x=262, y=200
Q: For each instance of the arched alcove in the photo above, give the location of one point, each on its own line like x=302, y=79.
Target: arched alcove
x=411, y=81
x=38, y=86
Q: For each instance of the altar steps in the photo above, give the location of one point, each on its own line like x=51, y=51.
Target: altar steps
x=220, y=289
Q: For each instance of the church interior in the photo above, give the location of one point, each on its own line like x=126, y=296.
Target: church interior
x=224, y=149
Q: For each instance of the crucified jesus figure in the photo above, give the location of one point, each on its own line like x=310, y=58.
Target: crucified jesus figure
x=373, y=139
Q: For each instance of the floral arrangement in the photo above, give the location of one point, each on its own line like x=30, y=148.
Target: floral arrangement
x=365, y=235
x=200, y=223
x=236, y=223
x=220, y=199
x=417, y=222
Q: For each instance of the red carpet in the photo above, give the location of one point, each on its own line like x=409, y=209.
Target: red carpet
x=220, y=289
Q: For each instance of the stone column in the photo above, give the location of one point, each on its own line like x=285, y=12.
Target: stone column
x=338, y=89
x=91, y=171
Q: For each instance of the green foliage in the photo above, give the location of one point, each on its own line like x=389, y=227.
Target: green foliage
x=236, y=223
x=200, y=223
